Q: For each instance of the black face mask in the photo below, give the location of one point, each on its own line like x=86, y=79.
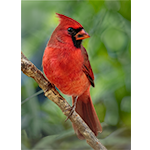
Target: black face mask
x=73, y=32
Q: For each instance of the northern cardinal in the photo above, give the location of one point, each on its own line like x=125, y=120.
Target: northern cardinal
x=66, y=65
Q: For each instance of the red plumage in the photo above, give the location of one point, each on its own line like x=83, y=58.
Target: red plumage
x=66, y=65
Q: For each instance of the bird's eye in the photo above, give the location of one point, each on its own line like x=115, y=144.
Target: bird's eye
x=70, y=30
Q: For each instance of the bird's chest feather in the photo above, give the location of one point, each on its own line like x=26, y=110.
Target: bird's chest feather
x=70, y=62
x=65, y=63
x=64, y=69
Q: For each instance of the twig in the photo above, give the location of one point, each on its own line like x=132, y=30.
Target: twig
x=37, y=93
x=51, y=93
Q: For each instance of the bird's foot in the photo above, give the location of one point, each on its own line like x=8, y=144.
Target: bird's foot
x=72, y=109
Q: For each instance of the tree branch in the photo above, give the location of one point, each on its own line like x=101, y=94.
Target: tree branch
x=51, y=93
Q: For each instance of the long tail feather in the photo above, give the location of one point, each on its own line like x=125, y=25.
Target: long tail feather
x=85, y=109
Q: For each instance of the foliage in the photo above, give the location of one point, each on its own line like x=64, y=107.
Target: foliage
x=109, y=49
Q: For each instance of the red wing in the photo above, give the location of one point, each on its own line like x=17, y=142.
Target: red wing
x=87, y=67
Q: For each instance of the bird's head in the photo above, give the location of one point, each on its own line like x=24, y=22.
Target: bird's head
x=70, y=31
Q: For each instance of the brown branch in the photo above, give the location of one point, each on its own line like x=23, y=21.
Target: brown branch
x=51, y=93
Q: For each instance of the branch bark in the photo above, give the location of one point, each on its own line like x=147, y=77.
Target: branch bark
x=51, y=93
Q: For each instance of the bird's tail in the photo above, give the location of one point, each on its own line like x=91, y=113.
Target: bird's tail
x=85, y=108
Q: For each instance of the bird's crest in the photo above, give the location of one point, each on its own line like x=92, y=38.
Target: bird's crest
x=68, y=20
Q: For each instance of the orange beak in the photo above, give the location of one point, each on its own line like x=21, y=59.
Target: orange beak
x=81, y=35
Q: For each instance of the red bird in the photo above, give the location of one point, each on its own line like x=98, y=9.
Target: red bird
x=66, y=65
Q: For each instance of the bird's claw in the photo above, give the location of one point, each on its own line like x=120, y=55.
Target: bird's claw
x=71, y=109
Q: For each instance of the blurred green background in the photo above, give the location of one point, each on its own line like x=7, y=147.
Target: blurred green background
x=43, y=124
